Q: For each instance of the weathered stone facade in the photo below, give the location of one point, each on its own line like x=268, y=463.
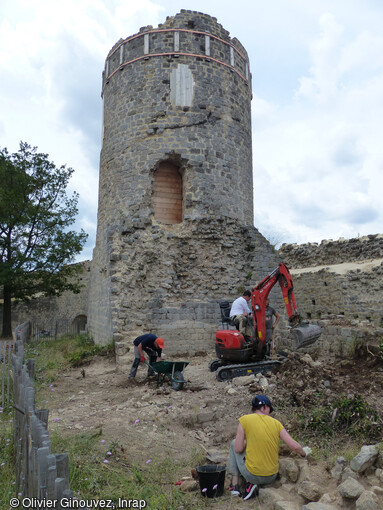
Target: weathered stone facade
x=58, y=315
x=329, y=252
x=178, y=94
x=178, y=277
x=342, y=278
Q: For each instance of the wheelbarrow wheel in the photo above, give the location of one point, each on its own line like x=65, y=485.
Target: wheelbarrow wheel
x=178, y=381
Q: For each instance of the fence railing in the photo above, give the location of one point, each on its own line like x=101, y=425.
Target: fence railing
x=40, y=474
x=55, y=328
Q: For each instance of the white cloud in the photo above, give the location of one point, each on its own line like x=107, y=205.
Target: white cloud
x=318, y=99
x=323, y=82
x=52, y=53
x=322, y=152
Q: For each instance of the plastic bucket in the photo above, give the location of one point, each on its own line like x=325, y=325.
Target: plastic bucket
x=211, y=480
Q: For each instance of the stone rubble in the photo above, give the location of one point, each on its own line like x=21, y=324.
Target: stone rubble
x=362, y=491
x=204, y=414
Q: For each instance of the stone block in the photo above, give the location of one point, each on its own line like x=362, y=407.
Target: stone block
x=368, y=501
x=350, y=489
x=121, y=348
x=365, y=458
x=289, y=468
x=309, y=490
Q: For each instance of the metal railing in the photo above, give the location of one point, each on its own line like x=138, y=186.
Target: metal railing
x=54, y=329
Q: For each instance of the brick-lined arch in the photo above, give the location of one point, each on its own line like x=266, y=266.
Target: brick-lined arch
x=167, y=196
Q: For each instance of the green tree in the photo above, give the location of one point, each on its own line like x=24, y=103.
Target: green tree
x=36, y=246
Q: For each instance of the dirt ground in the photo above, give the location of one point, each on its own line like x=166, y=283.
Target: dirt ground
x=149, y=421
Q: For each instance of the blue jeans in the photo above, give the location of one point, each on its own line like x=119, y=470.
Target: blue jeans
x=237, y=467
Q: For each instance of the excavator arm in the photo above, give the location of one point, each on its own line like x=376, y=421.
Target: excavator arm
x=303, y=332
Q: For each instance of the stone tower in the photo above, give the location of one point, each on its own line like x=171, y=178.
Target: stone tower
x=175, y=210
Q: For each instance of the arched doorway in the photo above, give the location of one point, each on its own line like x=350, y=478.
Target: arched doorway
x=79, y=324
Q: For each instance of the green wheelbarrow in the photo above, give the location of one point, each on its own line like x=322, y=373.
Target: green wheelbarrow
x=170, y=371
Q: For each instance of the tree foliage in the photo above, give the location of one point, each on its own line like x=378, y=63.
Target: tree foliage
x=36, y=245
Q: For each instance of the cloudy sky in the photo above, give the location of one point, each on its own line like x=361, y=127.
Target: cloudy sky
x=317, y=108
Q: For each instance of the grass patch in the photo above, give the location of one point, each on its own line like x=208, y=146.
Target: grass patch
x=86, y=349
x=53, y=356
x=7, y=459
x=99, y=470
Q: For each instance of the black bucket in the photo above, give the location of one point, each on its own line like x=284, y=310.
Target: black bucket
x=211, y=480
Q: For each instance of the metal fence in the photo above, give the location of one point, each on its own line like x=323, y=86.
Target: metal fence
x=56, y=328
x=40, y=474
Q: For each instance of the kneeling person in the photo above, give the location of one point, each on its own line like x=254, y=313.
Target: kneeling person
x=255, y=450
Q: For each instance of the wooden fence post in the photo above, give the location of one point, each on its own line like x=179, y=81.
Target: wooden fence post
x=43, y=415
x=42, y=471
x=39, y=473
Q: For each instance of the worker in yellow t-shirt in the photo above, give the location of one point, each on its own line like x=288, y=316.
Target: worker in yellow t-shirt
x=254, y=452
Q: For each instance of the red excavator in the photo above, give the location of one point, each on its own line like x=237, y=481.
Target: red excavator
x=237, y=355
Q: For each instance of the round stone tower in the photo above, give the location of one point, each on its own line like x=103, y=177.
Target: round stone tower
x=175, y=210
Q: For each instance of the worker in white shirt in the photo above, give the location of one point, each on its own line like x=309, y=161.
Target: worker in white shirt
x=239, y=313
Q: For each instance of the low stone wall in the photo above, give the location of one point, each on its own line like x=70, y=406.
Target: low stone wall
x=342, y=341
x=330, y=252
x=354, y=294
x=344, y=278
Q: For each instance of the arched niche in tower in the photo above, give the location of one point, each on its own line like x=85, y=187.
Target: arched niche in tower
x=167, y=196
x=79, y=324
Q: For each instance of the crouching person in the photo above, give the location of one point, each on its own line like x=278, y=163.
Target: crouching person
x=254, y=452
x=152, y=346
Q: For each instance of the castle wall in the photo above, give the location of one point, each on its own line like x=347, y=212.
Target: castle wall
x=341, y=278
x=329, y=252
x=55, y=314
x=172, y=284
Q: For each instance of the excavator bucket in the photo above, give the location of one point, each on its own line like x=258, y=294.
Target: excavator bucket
x=305, y=334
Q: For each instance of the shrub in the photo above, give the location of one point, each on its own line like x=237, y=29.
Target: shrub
x=346, y=414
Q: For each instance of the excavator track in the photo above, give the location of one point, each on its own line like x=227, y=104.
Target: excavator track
x=228, y=372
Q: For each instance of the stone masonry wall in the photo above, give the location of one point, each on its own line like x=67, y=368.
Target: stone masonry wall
x=342, y=278
x=179, y=94
x=170, y=280
x=210, y=140
x=54, y=313
x=329, y=252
